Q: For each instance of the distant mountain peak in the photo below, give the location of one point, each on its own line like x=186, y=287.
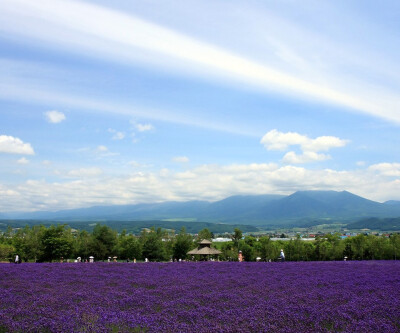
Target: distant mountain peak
x=263, y=209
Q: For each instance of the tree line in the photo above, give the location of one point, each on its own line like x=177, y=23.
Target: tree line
x=324, y=247
x=42, y=244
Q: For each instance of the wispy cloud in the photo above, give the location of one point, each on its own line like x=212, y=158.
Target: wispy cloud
x=102, y=32
x=116, y=134
x=23, y=160
x=84, y=172
x=103, y=151
x=144, y=127
x=17, y=89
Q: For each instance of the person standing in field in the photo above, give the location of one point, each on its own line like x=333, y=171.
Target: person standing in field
x=17, y=259
x=282, y=255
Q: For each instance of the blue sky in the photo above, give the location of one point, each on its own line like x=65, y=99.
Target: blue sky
x=127, y=102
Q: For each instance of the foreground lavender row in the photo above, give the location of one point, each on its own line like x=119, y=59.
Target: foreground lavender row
x=201, y=297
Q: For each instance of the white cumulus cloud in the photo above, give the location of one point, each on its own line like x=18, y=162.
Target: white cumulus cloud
x=12, y=145
x=54, y=116
x=309, y=156
x=323, y=143
x=275, y=140
x=386, y=169
x=206, y=182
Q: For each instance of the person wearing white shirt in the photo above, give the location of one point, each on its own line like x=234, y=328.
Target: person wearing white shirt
x=282, y=256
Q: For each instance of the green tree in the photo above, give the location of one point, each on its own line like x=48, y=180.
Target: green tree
x=204, y=234
x=325, y=249
x=348, y=249
x=30, y=245
x=329, y=247
x=308, y=250
x=7, y=236
x=250, y=240
x=168, y=243
x=268, y=249
x=18, y=240
x=129, y=248
x=153, y=247
x=229, y=251
x=247, y=251
x=358, y=245
x=57, y=243
x=102, y=242
x=183, y=244
x=237, y=236
x=6, y=252
x=297, y=248
x=374, y=247
x=394, y=241
x=82, y=244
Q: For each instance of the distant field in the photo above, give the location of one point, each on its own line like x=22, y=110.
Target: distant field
x=135, y=226
x=201, y=297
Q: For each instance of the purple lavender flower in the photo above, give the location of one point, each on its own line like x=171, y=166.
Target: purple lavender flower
x=201, y=297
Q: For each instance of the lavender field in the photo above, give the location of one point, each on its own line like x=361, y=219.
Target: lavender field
x=201, y=297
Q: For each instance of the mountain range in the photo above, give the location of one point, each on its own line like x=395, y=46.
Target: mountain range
x=298, y=208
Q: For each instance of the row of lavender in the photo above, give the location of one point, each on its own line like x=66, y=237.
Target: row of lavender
x=201, y=297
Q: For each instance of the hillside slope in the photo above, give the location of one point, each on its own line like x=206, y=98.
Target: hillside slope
x=247, y=209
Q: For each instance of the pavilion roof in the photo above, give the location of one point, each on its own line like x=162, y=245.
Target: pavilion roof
x=205, y=251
